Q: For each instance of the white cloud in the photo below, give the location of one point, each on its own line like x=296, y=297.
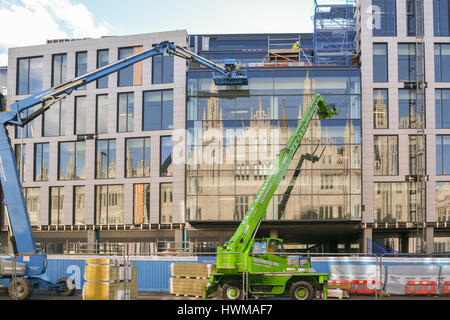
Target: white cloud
x=3, y=59
x=31, y=22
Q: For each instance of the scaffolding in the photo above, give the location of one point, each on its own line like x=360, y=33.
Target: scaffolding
x=334, y=33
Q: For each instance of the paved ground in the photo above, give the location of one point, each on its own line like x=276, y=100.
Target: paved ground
x=46, y=295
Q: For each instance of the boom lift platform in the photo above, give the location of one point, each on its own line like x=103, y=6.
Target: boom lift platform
x=27, y=270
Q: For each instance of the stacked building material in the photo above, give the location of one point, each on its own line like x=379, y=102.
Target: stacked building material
x=189, y=279
x=110, y=279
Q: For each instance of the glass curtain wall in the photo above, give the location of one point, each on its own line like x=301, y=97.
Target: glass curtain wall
x=234, y=137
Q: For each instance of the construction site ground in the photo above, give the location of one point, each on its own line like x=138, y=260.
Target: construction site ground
x=48, y=295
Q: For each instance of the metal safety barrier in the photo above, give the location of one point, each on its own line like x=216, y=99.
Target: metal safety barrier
x=363, y=287
x=421, y=287
x=446, y=287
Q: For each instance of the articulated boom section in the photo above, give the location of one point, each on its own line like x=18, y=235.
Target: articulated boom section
x=231, y=254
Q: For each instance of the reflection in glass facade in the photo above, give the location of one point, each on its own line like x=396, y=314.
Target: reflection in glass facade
x=234, y=137
x=106, y=159
x=380, y=62
x=79, y=205
x=72, y=160
x=29, y=75
x=391, y=202
x=59, y=69
x=109, y=204
x=442, y=154
x=165, y=202
x=442, y=62
x=443, y=201
x=441, y=19
x=384, y=18
x=442, y=108
x=166, y=157
x=409, y=109
x=33, y=200
x=137, y=157
x=54, y=120
x=125, y=112
x=56, y=205
x=102, y=60
x=380, y=109
x=41, y=161
x=80, y=115
x=102, y=114
x=162, y=68
x=158, y=110
x=385, y=155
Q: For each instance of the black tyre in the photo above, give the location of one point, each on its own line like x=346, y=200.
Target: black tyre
x=65, y=287
x=20, y=289
x=232, y=291
x=302, y=290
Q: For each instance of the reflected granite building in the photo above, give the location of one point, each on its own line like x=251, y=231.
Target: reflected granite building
x=157, y=153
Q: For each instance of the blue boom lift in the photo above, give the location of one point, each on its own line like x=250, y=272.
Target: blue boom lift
x=27, y=270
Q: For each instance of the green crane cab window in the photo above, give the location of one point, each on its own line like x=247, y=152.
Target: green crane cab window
x=259, y=247
x=275, y=246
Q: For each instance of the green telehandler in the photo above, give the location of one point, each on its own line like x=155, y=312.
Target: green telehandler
x=260, y=266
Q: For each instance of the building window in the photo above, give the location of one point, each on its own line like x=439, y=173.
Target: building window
x=413, y=8
x=27, y=131
x=56, y=205
x=407, y=66
x=137, y=157
x=166, y=202
x=391, y=202
x=81, y=66
x=442, y=108
x=106, y=159
x=102, y=60
x=20, y=151
x=29, y=75
x=41, y=161
x=109, y=207
x=59, y=69
x=72, y=160
x=101, y=114
x=162, y=68
x=417, y=152
x=141, y=203
x=385, y=155
x=80, y=115
x=380, y=109
x=79, y=205
x=441, y=20
x=131, y=75
x=384, y=18
x=166, y=157
x=125, y=113
x=410, y=113
x=380, y=62
x=442, y=155
x=158, y=110
x=442, y=201
x=33, y=201
x=53, y=121
x=442, y=62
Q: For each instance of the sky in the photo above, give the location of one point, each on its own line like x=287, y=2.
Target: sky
x=32, y=22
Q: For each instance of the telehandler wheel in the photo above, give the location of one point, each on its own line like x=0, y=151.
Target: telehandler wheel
x=232, y=291
x=19, y=289
x=302, y=290
x=66, y=287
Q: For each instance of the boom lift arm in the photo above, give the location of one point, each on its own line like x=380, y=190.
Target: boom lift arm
x=242, y=238
x=21, y=232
